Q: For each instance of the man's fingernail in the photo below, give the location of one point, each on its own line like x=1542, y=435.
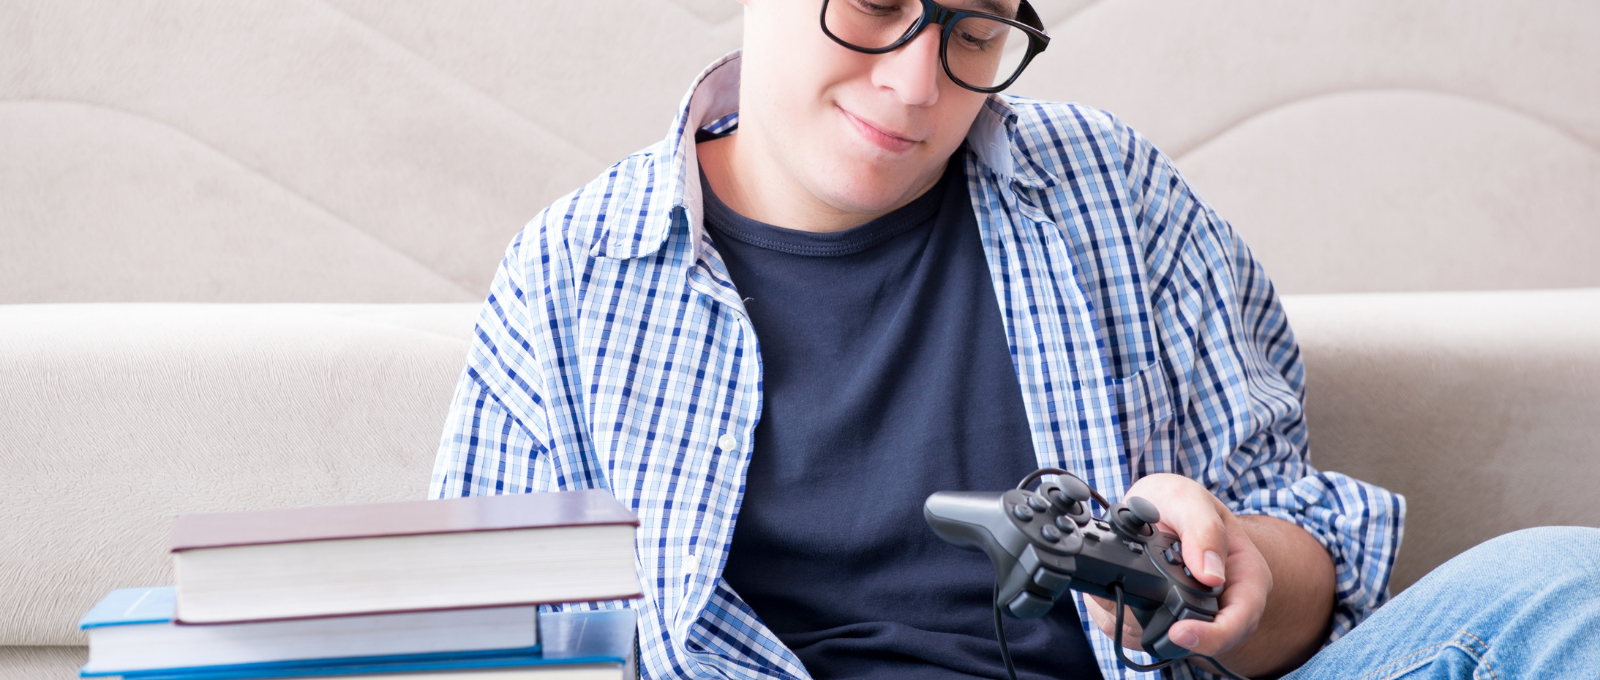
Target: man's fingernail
x=1186, y=639
x=1214, y=564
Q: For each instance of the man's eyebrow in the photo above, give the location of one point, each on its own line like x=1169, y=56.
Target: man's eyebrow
x=991, y=7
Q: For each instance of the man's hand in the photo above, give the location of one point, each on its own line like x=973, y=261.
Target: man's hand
x=1218, y=552
x=1221, y=550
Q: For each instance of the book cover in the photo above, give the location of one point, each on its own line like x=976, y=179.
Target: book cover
x=405, y=518
x=567, y=639
x=131, y=631
x=132, y=606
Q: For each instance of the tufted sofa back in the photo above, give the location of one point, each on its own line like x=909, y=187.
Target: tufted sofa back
x=377, y=151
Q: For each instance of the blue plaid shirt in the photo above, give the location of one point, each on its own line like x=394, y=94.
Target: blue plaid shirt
x=614, y=352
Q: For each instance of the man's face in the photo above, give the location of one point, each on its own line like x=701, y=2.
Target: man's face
x=863, y=133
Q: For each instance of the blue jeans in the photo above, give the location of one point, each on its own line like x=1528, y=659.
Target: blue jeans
x=1524, y=605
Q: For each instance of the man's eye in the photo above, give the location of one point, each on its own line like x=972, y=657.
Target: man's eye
x=877, y=9
x=976, y=42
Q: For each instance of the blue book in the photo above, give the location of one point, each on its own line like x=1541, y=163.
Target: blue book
x=596, y=645
x=131, y=633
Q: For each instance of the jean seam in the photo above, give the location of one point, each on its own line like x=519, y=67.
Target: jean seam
x=1389, y=672
x=1482, y=658
x=1412, y=657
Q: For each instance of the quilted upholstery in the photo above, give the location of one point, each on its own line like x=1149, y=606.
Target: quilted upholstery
x=374, y=151
x=1365, y=146
x=304, y=150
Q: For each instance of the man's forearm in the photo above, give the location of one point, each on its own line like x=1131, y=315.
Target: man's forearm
x=1301, y=603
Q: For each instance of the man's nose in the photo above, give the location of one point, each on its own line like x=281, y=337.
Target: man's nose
x=913, y=70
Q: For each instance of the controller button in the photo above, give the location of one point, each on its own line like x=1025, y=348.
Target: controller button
x=1026, y=605
x=1050, y=533
x=1038, y=503
x=1022, y=512
x=1137, y=548
x=1053, y=581
x=1173, y=555
x=1065, y=524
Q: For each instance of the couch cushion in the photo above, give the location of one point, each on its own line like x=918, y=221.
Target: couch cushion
x=1483, y=409
x=41, y=663
x=117, y=417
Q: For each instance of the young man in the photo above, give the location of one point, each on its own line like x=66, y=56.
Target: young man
x=852, y=276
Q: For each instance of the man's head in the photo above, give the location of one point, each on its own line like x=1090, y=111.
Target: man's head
x=861, y=133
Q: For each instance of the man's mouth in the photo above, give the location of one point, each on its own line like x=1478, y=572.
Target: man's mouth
x=888, y=140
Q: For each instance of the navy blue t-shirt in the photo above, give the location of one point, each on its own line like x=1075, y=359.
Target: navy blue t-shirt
x=885, y=377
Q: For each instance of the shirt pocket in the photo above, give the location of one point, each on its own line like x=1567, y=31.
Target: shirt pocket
x=1144, y=404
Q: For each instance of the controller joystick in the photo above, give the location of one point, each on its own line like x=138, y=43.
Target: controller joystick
x=1069, y=495
x=1046, y=542
x=1135, y=519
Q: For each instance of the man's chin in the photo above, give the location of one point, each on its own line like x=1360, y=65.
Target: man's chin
x=866, y=199
x=873, y=192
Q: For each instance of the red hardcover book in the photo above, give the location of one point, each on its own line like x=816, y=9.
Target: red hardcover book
x=480, y=551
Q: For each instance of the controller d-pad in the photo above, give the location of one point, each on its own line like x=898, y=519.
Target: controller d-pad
x=1174, y=555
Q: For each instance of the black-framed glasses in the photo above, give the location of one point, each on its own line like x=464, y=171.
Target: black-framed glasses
x=980, y=51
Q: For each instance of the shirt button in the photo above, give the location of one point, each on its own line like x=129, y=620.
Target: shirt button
x=728, y=444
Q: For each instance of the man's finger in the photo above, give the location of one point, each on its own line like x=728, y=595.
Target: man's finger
x=1198, y=523
x=1242, y=603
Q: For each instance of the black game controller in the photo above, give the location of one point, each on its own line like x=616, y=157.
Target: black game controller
x=1045, y=542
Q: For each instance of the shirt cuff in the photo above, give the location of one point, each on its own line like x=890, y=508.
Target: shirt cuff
x=1359, y=524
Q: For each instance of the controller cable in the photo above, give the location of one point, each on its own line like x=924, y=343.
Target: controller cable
x=1000, y=632
x=1116, y=589
x=1058, y=471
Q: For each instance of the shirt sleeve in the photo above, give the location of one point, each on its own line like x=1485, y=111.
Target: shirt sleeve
x=1239, y=386
x=495, y=437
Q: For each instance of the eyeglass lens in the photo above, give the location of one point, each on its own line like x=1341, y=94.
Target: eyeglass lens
x=980, y=52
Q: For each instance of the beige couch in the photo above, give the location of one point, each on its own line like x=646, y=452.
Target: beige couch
x=360, y=165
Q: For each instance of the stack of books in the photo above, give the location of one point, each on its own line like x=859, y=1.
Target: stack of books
x=422, y=590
